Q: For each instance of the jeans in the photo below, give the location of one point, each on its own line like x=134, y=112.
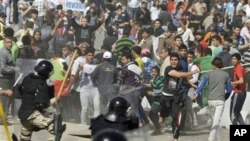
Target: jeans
x=75, y=106
x=216, y=108
x=89, y=97
x=134, y=98
x=171, y=105
x=153, y=115
x=106, y=94
x=237, y=102
x=191, y=117
x=40, y=21
x=20, y=21
x=132, y=12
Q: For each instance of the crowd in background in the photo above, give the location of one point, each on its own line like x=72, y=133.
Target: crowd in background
x=129, y=43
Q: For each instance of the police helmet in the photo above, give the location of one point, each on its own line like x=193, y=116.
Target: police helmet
x=109, y=135
x=118, y=105
x=44, y=68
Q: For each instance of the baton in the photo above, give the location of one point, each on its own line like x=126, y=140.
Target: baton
x=66, y=74
x=19, y=77
x=226, y=68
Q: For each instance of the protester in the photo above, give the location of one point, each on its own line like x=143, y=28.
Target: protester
x=218, y=83
x=139, y=32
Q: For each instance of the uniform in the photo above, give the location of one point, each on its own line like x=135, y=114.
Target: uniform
x=35, y=98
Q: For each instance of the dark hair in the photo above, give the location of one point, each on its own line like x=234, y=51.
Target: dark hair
x=228, y=39
x=68, y=47
x=78, y=50
x=168, y=50
x=190, y=52
x=145, y=30
x=59, y=7
x=110, y=30
x=69, y=11
x=156, y=68
x=177, y=37
x=163, y=7
x=34, y=11
x=37, y=30
x=106, y=47
x=217, y=37
x=159, y=20
x=127, y=55
x=137, y=50
x=126, y=30
x=172, y=28
x=182, y=46
x=118, y=7
x=207, y=51
x=8, y=32
x=237, y=26
x=237, y=56
x=26, y=40
x=89, y=50
x=138, y=23
x=217, y=62
x=174, y=54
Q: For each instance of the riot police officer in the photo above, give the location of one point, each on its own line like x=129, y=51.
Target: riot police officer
x=116, y=117
x=37, y=95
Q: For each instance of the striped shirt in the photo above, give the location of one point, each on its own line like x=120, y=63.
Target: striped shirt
x=122, y=44
x=247, y=56
x=40, y=6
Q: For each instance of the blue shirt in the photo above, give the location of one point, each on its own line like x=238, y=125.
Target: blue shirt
x=148, y=65
x=183, y=64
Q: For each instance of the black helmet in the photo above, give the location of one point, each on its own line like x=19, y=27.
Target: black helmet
x=118, y=105
x=109, y=135
x=44, y=68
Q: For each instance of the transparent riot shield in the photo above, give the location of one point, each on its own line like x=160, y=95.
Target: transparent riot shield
x=25, y=66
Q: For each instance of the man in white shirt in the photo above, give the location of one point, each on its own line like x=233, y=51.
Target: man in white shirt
x=41, y=6
x=186, y=33
x=245, y=32
x=198, y=7
x=155, y=10
x=246, y=8
x=73, y=88
x=89, y=94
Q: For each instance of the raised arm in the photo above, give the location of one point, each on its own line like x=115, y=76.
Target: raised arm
x=179, y=74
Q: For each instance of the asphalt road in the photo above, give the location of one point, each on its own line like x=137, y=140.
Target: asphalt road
x=73, y=130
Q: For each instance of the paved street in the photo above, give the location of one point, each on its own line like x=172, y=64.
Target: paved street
x=198, y=134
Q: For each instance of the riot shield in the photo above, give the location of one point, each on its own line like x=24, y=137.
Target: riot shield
x=25, y=66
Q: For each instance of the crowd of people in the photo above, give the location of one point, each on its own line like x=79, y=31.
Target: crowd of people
x=157, y=48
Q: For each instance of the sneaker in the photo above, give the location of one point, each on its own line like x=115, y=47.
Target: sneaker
x=203, y=111
x=8, y=123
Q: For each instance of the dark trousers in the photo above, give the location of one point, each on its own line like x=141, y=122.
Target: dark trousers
x=153, y=115
x=74, y=106
x=184, y=110
x=6, y=101
x=172, y=105
x=237, y=102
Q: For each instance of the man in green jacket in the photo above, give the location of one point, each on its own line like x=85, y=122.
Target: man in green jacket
x=205, y=64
